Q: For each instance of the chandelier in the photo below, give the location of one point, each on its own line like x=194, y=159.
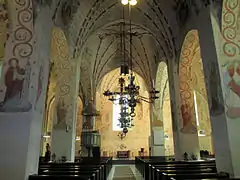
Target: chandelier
x=128, y=96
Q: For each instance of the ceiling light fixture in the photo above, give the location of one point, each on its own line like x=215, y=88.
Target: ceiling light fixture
x=124, y=2
x=133, y=2
x=130, y=2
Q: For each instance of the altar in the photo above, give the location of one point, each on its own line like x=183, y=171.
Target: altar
x=123, y=154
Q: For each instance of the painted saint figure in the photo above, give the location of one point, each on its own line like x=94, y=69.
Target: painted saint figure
x=188, y=126
x=17, y=81
x=232, y=84
x=14, y=78
x=61, y=115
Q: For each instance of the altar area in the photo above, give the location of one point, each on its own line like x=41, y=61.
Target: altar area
x=124, y=154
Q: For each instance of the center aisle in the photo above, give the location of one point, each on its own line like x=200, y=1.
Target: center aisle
x=124, y=172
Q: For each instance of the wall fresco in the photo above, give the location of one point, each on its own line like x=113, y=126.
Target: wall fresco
x=231, y=51
x=4, y=31
x=192, y=88
x=64, y=73
x=18, y=60
x=186, y=91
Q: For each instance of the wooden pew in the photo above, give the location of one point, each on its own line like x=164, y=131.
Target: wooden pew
x=57, y=177
x=155, y=169
x=87, y=168
x=72, y=169
x=142, y=163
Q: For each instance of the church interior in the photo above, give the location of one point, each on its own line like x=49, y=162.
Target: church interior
x=119, y=89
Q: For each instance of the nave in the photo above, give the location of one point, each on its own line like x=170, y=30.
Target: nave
x=121, y=79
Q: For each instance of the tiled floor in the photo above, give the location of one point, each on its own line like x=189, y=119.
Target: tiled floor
x=134, y=170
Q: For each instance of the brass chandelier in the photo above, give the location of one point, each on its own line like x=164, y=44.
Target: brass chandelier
x=128, y=95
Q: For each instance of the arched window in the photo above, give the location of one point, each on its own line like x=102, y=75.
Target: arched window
x=116, y=113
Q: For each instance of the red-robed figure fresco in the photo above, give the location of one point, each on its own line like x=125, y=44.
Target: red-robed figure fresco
x=232, y=89
x=188, y=126
x=14, y=78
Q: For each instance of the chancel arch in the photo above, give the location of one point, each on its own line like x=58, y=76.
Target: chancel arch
x=111, y=141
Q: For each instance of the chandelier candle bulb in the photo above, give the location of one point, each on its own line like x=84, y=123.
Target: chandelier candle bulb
x=133, y=2
x=124, y=2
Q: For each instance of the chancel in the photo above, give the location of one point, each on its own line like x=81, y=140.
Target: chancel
x=119, y=89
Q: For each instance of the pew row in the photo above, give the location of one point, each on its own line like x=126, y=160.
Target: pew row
x=162, y=169
x=86, y=169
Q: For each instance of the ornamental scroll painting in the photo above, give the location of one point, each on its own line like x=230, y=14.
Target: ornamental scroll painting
x=17, y=65
x=187, y=109
x=4, y=23
x=231, y=62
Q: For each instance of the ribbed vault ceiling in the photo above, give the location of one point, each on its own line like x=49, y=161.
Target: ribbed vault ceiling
x=94, y=33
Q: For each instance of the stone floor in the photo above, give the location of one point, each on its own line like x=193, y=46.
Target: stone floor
x=124, y=172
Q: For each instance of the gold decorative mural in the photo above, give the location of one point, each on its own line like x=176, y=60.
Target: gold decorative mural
x=195, y=115
x=3, y=28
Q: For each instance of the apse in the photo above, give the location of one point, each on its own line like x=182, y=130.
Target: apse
x=137, y=136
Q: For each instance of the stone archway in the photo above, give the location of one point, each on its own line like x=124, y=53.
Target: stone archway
x=162, y=107
x=60, y=106
x=195, y=117
x=63, y=74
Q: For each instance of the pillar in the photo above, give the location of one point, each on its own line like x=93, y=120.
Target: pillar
x=157, y=133
x=219, y=50
x=66, y=98
x=22, y=110
x=181, y=138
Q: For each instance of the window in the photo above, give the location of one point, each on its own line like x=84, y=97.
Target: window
x=196, y=107
x=116, y=114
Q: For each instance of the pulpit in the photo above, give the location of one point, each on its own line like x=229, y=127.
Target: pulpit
x=91, y=140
